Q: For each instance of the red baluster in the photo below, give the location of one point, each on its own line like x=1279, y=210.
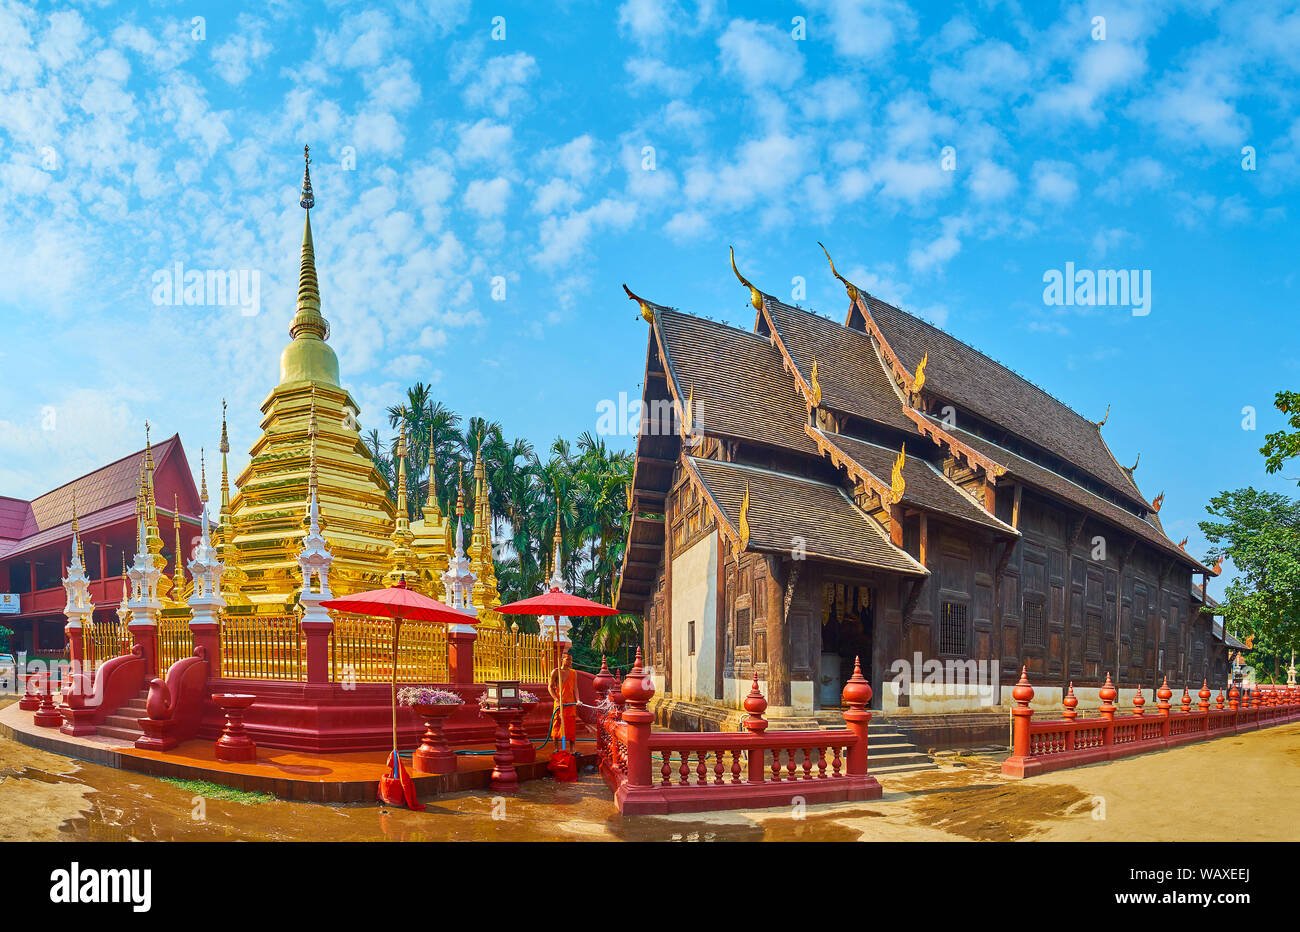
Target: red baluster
x=1218, y=703
x=1186, y=701
x=717, y=766
x=47, y=716
x=1234, y=697
x=1022, y=693
x=1204, y=696
x=1138, y=701
x=1071, y=703
x=856, y=696
x=1107, y=695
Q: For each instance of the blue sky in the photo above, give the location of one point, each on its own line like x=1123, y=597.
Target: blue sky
x=132, y=139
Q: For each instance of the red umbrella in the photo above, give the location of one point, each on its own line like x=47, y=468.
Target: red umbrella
x=556, y=603
x=398, y=603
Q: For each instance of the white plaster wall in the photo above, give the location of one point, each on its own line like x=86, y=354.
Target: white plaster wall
x=695, y=598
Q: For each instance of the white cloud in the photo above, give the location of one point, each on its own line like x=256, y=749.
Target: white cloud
x=759, y=55
x=1054, y=182
x=563, y=239
x=487, y=199
x=990, y=182
x=653, y=74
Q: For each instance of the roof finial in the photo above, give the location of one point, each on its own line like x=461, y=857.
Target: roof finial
x=645, y=308
x=203, y=480
x=1132, y=469
x=308, y=200
x=897, y=483
x=848, y=285
x=755, y=298
x=1104, y=419
x=744, y=519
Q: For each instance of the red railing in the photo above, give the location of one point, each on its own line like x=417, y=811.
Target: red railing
x=1040, y=747
x=656, y=773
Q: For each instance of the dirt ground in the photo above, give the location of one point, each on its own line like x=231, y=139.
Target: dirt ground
x=1244, y=788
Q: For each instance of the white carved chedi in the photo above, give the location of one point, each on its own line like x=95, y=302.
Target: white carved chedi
x=314, y=560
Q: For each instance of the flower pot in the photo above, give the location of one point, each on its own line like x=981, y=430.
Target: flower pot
x=434, y=755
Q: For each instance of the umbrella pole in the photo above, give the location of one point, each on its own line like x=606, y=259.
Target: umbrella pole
x=396, y=760
x=559, y=683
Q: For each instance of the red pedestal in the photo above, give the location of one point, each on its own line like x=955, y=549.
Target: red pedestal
x=521, y=748
x=460, y=656
x=234, y=743
x=504, y=779
x=31, y=700
x=208, y=636
x=47, y=716
x=434, y=755
x=317, y=636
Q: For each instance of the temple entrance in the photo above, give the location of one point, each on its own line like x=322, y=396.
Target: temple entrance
x=848, y=619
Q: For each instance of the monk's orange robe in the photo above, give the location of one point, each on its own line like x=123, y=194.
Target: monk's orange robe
x=565, y=725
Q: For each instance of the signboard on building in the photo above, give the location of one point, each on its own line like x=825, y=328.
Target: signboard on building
x=9, y=603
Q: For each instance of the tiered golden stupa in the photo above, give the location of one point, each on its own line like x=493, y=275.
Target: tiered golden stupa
x=261, y=528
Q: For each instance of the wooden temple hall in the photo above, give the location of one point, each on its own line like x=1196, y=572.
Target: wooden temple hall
x=813, y=491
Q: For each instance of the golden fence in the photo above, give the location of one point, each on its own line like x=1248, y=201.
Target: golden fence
x=103, y=640
x=262, y=647
x=503, y=654
x=175, y=640
x=361, y=651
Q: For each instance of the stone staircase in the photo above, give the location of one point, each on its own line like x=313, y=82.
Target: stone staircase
x=124, y=724
x=888, y=749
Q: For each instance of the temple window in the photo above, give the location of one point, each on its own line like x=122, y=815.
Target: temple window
x=953, y=629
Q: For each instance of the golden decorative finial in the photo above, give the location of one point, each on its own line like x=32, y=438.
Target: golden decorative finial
x=76, y=530
x=1182, y=544
x=432, y=497
x=918, y=380
x=1132, y=469
x=1104, y=419
x=815, y=386
x=308, y=200
x=755, y=298
x=307, y=321
x=203, y=478
x=1218, y=565
x=848, y=285
x=688, y=412
x=224, y=447
x=897, y=484
x=744, y=519
x=1157, y=502
x=645, y=308
x=401, y=470
x=460, y=492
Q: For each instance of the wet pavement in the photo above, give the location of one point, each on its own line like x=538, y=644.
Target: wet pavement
x=1169, y=795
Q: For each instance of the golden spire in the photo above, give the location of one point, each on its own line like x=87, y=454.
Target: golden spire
x=308, y=319
x=153, y=534
x=848, y=285
x=401, y=473
x=755, y=298
x=744, y=519
x=312, y=482
x=460, y=492
x=178, y=581
x=558, y=540
x=224, y=447
x=203, y=481
x=816, y=387
x=76, y=531
x=645, y=308
x=432, y=510
x=897, y=484
x=401, y=557
x=152, y=515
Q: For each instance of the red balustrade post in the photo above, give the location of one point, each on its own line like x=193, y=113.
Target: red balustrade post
x=1107, y=694
x=1204, y=704
x=1218, y=702
x=856, y=697
x=460, y=653
x=1186, y=701
x=316, y=634
x=637, y=692
x=76, y=647
x=1020, y=763
x=47, y=716
x=1138, y=702
x=1071, y=703
x=1163, y=695
x=602, y=681
x=1234, y=697
x=755, y=705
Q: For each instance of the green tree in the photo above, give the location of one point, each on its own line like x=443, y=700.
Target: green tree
x=1260, y=533
x=1282, y=445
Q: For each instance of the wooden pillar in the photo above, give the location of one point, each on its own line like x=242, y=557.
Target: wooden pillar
x=778, y=636
x=103, y=561
x=1015, y=507
x=923, y=549
x=667, y=614
x=720, y=616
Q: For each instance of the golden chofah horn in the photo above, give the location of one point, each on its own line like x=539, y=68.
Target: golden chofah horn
x=744, y=519
x=815, y=385
x=755, y=298
x=645, y=308
x=918, y=380
x=848, y=285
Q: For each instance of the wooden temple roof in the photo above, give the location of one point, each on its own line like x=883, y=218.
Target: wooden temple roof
x=927, y=488
x=735, y=381
x=1060, y=487
x=990, y=390
x=823, y=518
x=849, y=372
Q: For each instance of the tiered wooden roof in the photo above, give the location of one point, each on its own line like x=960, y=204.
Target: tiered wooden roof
x=824, y=523
x=769, y=389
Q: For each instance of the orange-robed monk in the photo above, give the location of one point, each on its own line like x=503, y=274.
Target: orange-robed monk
x=563, y=687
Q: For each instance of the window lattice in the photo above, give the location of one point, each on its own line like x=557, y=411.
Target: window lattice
x=953, y=629
x=742, y=627
x=1033, y=613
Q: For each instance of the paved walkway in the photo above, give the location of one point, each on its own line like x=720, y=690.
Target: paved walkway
x=1242, y=788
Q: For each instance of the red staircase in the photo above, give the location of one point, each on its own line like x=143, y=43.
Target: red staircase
x=124, y=724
